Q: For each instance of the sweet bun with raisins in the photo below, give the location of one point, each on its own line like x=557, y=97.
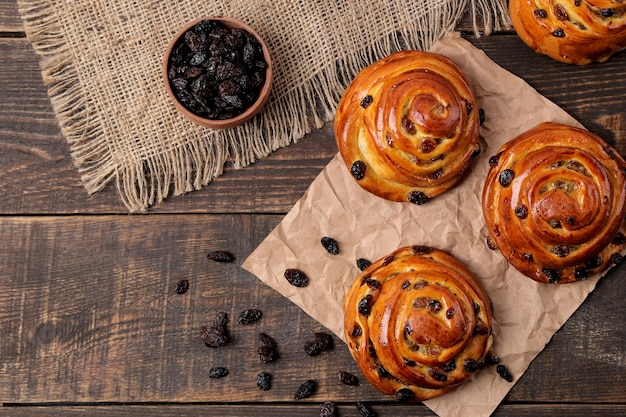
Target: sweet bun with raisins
x=576, y=32
x=554, y=203
x=407, y=126
x=418, y=323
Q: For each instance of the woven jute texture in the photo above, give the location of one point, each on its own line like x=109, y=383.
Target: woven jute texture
x=101, y=62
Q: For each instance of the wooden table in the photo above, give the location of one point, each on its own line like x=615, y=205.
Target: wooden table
x=89, y=320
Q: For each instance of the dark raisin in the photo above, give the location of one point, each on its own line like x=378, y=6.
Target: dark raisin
x=216, y=335
x=481, y=115
x=365, y=409
x=264, y=381
x=249, y=316
x=493, y=161
x=594, y=262
x=491, y=360
x=577, y=3
x=417, y=197
x=364, y=305
x=609, y=152
x=221, y=256
x=491, y=244
x=422, y=250
x=560, y=13
x=357, y=331
x=428, y=145
x=540, y=14
x=504, y=373
x=476, y=307
x=558, y=33
x=555, y=224
x=616, y=259
x=553, y=275
x=267, y=348
x=472, y=365
x=305, y=390
x=469, y=107
x=182, y=286
x=475, y=152
x=327, y=409
x=381, y=371
x=581, y=274
x=607, y=12
x=408, y=125
x=323, y=341
x=521, y=211
x=481, y=328
x=435, y=174
x=347, y=378
x=506, y=177
x=296, y=277
x=372, y=283
x=449, y=366
x=367, y=100
x=387, y=260
x=437, y=374
x=570, y=221
x=358, y=169
x=406, y=284
x=449, y=313
x=362, y=264
x=405, y=395
x=527, y=257
x=561, y=251
x=434, y=306
x=331, y=245
x=218, y=372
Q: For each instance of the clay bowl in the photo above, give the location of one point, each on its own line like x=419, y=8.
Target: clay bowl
x=250, y=110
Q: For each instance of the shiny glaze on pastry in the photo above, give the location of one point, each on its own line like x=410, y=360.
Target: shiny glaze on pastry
x=571, y=31
x=418, y=323
x=407, y=127
x=554, y=203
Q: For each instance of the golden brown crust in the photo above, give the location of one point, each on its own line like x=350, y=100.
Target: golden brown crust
x=554, y=203
x=571, y=31
x=418, y=323
x=411, y=121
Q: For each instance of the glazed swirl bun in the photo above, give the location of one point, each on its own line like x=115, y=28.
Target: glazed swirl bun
x=553, y=203
x=418, y=323
x=575, y=32
x=407, y=126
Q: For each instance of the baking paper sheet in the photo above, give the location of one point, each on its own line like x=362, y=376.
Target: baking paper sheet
x=526, y=313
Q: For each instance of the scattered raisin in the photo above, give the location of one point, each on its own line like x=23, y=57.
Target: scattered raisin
x=182, y=286
x=249, y=316
x=504, y=373
x=323, y=341
x=417, y=197
x=405, y=395
x=365, y=409
x=267, y=349
x=362, y=264
x=472, y=365
x=491, y=359
x=218, y=372
x=305, y=390
x=296, y=277
x=616, y=259
x=221, y=256
x=506, y=177
x=367, y=100
x=358, y=169
x=216, y=335
x=331, y=245
x=327, y=409
x=347, y=378
x=264, y=381
x=521, y=211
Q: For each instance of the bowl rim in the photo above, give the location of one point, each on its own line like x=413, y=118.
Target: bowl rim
x=251, y=111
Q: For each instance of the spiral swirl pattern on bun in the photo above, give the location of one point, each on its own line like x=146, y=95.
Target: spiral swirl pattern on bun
x=407, y=127
x=418, y=323
x=554, y=203
x=575, y=32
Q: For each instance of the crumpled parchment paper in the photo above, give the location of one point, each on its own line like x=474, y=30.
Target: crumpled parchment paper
x=526, y=313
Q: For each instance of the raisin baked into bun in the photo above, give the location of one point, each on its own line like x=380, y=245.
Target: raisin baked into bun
x=418, y=323
x=407, y=126
x=571, y=31
x=554, y=203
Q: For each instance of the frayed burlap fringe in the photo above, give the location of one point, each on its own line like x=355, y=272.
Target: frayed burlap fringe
x=101, y=60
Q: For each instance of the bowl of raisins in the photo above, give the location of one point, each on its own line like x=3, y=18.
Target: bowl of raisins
x=217, y=72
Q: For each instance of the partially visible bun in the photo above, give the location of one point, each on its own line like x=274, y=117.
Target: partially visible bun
x=418, y=323
x=407, y=127
x=554, y=203
x=576, y=32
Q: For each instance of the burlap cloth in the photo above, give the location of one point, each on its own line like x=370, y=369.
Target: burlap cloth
x=101, y=62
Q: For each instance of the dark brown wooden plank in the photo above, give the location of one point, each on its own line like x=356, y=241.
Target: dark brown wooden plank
x=345, y=409
x=38, y=175
x=10, y=20
x=88, y=314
